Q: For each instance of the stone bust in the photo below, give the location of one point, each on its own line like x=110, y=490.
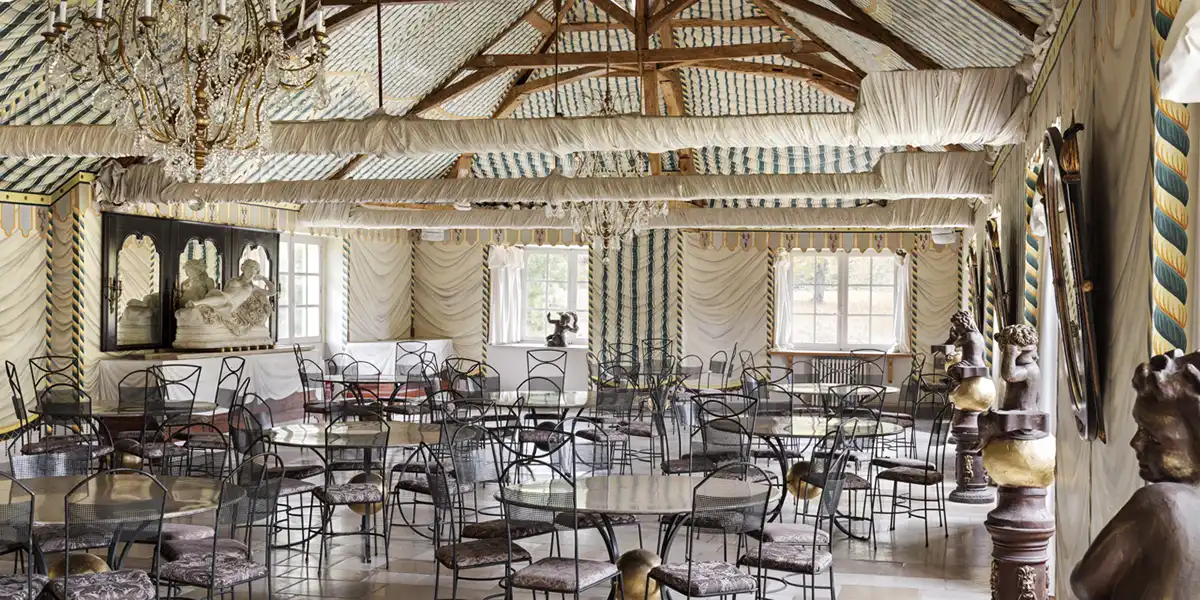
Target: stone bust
x=1019, y=366
x=1148, y=550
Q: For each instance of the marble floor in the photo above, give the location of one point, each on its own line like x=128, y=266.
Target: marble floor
x=953, y=566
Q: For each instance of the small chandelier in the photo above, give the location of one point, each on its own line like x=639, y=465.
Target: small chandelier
x=607, y=223
x=190, y=80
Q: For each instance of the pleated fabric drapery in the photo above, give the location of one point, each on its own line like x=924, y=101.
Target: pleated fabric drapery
x=902, y=305
x=724, y=292
x=508, y=299
x=380, y=288
x=448, y=294
x=783, y=299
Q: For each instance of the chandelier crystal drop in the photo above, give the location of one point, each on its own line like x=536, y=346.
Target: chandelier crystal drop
x=191, y=80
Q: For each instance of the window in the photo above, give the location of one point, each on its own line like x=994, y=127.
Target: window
x=842, y=300
x=554, y=280
x=299, y=289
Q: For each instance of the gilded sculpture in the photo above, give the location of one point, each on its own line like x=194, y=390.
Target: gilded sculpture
x=975, y=391
x=1018, y=450
x=1148, y=550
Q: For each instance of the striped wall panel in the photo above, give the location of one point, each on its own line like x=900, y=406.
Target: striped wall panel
x=638, y=290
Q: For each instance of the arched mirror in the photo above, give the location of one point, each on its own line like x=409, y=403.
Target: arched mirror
x=1060, y=186
x=200, y=266
x=994, y=272
x=134, y=292
x=258, y=254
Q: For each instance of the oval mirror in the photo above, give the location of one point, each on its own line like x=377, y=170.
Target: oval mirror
x=1060, y=185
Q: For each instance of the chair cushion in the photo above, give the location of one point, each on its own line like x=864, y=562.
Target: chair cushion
x=151, y=450
x=204, y=440
x=126, y=584
x=900, y=461
x=56, y=442
x=910, y=475
x=596, y=435
x=769, y=453
x=557, y=575
x=587, y=521
x=53, y=538
x=292, y=487
x=479, y=553
x=688, y=465
x=177, y=549
x=18, y=587
x=540, y=436
x=725, y=521
x=499, y=528
x=294, y=471
x=637, y=429
x=792, y=558
x=200, y=570
x=791, y=533
x=710, y=578
x=184, y=531
x=349, y=493
x=420, y=485
x=400, y=408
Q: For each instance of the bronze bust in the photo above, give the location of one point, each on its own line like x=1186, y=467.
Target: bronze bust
x=970, y=345
x=1148, y=550
x=1019, y=366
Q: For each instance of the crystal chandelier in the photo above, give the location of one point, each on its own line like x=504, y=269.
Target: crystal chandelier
x=190, y=80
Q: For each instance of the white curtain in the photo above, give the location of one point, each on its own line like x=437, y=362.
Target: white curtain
x=902, y=310
x=783, y=299
x=508, y=303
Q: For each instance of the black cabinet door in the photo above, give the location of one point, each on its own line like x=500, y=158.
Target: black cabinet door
x=150, y=238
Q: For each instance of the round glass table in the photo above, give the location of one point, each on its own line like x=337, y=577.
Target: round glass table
x=185, y=496
x=809, y=388
x=110, y=409
x=355, y=434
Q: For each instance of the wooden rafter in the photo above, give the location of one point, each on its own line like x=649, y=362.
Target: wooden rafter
x=670, y=86
x=849, y=75
x=914, y=57
x=454, y=90
x=837, y=72
x=818, y=79
x=669, y=10
x=518, y=92
x=694, y=23
x=648, y=73
x=618, y=13
x=830, y=16
x=627, y=57
x=1005, y=12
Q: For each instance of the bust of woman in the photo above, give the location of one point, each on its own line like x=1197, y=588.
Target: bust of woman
x=1148, y=550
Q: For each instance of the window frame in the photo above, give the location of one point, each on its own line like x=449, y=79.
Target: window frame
x=571, y=252
x=287, y=269
x=843, y=313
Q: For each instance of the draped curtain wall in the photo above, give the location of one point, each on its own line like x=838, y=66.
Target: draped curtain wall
x=507, y=297
x=902, y=307
x=724, y=292
x=635, y=295
x=447, y=294
x=23, y=333
x=783, y=299
x=380, y=287
x=936, y=296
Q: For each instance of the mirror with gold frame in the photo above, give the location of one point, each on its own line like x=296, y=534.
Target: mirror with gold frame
x=1061, y=188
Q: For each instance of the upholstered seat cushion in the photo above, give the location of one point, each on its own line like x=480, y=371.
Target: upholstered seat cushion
x=688, y=465
x=184, y=531
x=292, y=487
x=910, y=475
x=791, y=533
x=177, y=549
x=56, y=442
x=769, y=453
x=479, y=553
x=420, y=485
x=724, y=521
x=204, y=440
x=637, y=429
x=53, y=538
x=887, y=462
x=18, y=587
x=500, y=528
x=605, y=435
x=541, y=436
x=150, y=450
x=850, y=481
x=349, y=493
x=294, y=471
x=587, y=521
x=126, y=584
x=557, y=575
x=792, y=558
x=710, y=578
x=200, y=570
x=400, y=408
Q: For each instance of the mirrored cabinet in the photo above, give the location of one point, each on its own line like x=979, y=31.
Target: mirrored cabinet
x=151, y=267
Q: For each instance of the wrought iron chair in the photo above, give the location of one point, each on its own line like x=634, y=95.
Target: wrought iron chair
x=927, y=474
x=547, y=363
x=365, y=488
x=16, y=535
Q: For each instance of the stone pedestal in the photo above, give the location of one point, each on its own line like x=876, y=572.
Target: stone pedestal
x=1021, y=526
x=972, y=482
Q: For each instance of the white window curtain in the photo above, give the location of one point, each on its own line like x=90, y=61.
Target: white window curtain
x=783, y=299
x=902, y=308
x=508, y=299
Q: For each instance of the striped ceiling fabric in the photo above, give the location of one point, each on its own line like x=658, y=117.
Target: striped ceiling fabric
x=428, y=44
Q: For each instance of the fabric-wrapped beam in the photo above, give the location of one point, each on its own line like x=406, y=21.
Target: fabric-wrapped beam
x=913, y=214
x=896, y=176
x=899, y=108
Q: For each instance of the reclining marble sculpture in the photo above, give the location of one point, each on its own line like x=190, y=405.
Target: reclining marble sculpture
x=1148, y=550
x=236, y=317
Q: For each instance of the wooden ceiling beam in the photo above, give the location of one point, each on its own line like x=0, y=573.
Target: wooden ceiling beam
x=692, y=23
x=820, y=73
x=816, y=78
x=518, y=92
x=669, y=10
x=627, y=57
x=454, y=90
x=670, y=86
x=1005, y=12
x=881, y=34
x=615, y=11
x=837, y=72
x=830, y=16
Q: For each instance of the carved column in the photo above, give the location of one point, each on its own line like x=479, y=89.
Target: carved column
x=1019, y=454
